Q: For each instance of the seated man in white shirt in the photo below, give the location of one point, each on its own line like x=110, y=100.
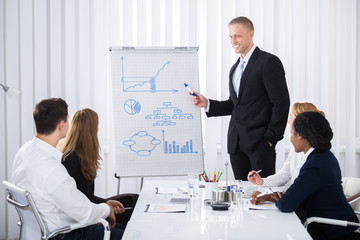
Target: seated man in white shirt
x=37, y=168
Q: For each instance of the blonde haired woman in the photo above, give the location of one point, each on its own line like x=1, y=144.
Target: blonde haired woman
x=294, y=161
x=81, y=159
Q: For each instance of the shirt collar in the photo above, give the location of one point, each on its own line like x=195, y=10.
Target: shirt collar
x=308, y=153
x=54, y=152
x=248, y=55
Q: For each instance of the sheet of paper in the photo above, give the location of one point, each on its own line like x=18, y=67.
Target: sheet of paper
x=179, y=200
x=262, y=206
x=166, y=208
x=171, y=190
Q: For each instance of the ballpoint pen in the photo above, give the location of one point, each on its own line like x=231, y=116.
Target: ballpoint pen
x=190, y=89
x=257, y=172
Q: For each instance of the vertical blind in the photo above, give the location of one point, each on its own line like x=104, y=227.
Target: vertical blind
x=60, y=49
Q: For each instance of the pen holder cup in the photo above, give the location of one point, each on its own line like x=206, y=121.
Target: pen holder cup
x=209, y=188
x=220, y=195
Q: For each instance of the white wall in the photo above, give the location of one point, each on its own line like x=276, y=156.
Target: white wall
x=60, y=49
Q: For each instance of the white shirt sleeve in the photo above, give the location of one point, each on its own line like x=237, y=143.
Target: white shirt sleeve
x=74, y=203
x=284, y=175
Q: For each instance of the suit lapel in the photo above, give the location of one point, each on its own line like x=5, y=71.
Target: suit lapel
x=231, y=86
x=247, y=71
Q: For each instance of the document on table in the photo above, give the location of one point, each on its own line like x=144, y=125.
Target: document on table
x=171, y=190
x=179, y=200
x=165, y=208
x=262, y=206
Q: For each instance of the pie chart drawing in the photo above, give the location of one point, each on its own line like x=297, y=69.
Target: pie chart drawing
x=132, y=107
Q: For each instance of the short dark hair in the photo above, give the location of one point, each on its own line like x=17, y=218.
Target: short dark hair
x=242, y=20
x=48, y=113
x=315, y=128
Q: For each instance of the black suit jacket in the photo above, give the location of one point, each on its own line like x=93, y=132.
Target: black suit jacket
x=261, y=110
x=73, y=166
x=319, y=192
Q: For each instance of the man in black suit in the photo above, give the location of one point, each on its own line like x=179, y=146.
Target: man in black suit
x=258, y=104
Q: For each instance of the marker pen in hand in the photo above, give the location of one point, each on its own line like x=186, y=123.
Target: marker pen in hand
x=257, y=172
x=190, y=89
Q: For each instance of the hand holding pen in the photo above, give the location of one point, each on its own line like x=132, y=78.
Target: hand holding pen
x=198, y=99
x=255, y=178
x=116, y=206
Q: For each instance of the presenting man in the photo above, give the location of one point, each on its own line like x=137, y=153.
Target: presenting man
x=38, y=169
x=258, y=104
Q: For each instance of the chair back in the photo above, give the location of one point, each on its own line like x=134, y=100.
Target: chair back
x=351, y=186
x=31, y=225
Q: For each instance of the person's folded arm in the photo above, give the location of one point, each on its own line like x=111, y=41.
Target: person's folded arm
x=306, y=184
x=277, y=91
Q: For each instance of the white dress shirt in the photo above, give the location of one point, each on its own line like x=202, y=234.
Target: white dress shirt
x=237, y=71
x=38, y=169
x=290, y=170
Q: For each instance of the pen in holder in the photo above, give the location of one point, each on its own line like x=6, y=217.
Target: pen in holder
x=227, y=176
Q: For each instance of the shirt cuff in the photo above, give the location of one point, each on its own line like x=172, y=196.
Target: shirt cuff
x=265, y=183
x=106, y=210
x=208, y=106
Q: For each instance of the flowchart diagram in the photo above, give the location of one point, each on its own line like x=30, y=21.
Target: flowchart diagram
x=142, y=143
x=167, y=115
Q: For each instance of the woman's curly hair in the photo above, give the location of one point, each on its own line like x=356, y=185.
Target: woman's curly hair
x=315, y=128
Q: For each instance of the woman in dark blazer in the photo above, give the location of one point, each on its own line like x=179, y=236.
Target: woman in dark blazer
x=317, y=191
x=81, y=159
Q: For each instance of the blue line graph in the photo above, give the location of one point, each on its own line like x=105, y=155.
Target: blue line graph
x=142, y=83
x=172, y=147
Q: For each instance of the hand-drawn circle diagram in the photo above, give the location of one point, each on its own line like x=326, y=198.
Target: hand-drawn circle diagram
x=132, y=107
x=142, y=143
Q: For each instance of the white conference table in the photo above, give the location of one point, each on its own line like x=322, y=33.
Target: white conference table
x=201, y=222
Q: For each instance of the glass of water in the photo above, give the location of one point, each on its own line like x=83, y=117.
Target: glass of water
x=193, y=184
x=236, y=196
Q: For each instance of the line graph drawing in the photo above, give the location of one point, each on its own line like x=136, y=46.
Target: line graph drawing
x=142, y=143
x=171, y=147
x=166, y=115
x=142, y=83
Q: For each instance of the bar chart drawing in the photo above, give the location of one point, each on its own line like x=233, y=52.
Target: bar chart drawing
x=168, y=114
x=171, y=147
x=142, y=83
